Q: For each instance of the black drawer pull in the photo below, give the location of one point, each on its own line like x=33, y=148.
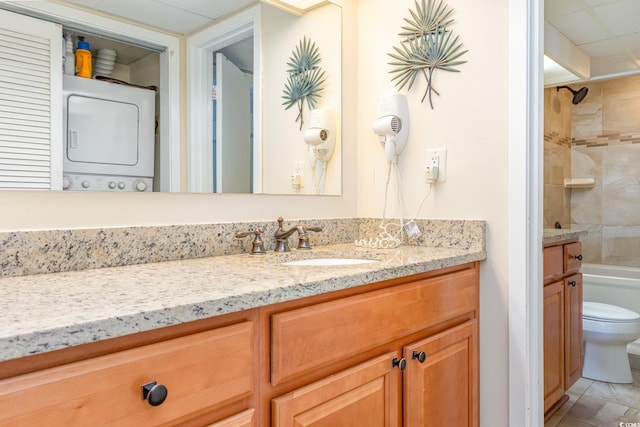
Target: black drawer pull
x=402, y=363
x=420, y=355
x=578, y=257
x=154, y=393
x=572, y=283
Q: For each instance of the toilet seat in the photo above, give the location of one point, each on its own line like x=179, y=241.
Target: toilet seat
x=607, y=313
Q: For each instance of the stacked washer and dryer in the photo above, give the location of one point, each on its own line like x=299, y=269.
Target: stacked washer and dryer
x=109, y=136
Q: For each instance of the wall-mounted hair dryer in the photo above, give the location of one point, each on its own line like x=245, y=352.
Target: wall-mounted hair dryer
x=392, y=124
x=321, y=134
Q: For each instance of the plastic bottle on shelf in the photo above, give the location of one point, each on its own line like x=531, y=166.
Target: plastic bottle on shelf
x=83, y=59
x=69, y=58
x=64, y=55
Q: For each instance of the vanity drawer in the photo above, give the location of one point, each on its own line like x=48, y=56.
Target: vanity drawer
x=317, y=336
x=552, y=262
x=572, y=257
x=201, y=372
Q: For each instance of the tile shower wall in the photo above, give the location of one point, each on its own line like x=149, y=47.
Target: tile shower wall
x=557, y=157
x=606, y=146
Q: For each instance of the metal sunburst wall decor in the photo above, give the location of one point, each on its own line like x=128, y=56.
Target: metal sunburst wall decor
x=428, y=45
x=305, y=78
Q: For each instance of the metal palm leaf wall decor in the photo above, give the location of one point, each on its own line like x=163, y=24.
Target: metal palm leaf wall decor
x=428, y=46
x=305, y=78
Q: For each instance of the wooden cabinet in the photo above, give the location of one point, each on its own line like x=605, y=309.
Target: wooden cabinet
x=422, y=370
x=201, y=373
x=440, y=383
x=562, y=321
x=392, y=353
x=365, y=395
x=316, y=336
x=553, y=313
x=573, y=289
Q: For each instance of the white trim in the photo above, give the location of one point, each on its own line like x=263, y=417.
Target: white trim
x=526, y=371
x=200, y=48
x=169, y=72
x=56, y=124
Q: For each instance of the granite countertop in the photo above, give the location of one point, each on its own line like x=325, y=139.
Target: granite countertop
x=46, y=312
x=554, y=235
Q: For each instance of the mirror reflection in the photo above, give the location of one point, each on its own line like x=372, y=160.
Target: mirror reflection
x=250, y=141
x=241, y=139
x=233, y=144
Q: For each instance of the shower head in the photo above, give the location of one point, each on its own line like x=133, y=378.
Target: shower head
x=578, y=95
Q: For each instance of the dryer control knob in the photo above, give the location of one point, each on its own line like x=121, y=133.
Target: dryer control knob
x=112, y=185
x=121, y=185
x=85, y=184
x=66, y=183
x=140, y=185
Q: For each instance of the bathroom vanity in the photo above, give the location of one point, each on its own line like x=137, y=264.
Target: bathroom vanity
x=562, y=258
x=245, y=340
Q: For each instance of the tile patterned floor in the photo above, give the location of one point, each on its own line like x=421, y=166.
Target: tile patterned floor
x=594, y=403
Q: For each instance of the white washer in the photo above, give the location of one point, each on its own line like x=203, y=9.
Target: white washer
x=109, y=136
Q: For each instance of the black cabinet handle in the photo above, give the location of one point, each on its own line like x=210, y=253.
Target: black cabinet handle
x=578, y=257
x=402, y=363
x=420, y=355
x=155, y=393
x=572, y=283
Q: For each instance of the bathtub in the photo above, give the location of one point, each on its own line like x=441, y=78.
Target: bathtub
x=613, y=284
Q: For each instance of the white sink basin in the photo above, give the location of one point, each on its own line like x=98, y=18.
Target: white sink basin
x=319, y=262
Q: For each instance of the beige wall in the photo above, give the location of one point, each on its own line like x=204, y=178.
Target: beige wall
x=606, y=146
x=283, y=140
x=557, y=157
x=470, y=119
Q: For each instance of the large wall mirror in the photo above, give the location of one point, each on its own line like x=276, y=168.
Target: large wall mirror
x=244, y=140
x=240, y=138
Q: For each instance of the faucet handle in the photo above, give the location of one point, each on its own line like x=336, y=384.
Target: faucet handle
x=258, y=243
x=303, y=237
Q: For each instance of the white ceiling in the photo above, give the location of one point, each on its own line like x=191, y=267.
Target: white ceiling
x=176, y=16
x=606, y=30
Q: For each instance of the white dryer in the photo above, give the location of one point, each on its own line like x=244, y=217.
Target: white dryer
x=109, y=136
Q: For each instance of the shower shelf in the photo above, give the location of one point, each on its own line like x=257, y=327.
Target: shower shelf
x=579, y=183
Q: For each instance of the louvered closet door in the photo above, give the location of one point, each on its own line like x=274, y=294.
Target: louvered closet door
x=30, y=103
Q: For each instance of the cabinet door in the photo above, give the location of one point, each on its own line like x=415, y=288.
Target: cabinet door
x=365, y=395
x=553, y=343
x=573, y=329
x=443, y=389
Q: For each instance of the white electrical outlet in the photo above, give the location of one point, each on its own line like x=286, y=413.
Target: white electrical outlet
x=297, y=173
x=297, y=168
x=436, y=169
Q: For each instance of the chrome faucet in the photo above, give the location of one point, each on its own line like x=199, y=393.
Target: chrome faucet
x=281, y=236
x=258, y=244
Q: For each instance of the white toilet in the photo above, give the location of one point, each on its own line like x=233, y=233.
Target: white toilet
x=606, y=331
